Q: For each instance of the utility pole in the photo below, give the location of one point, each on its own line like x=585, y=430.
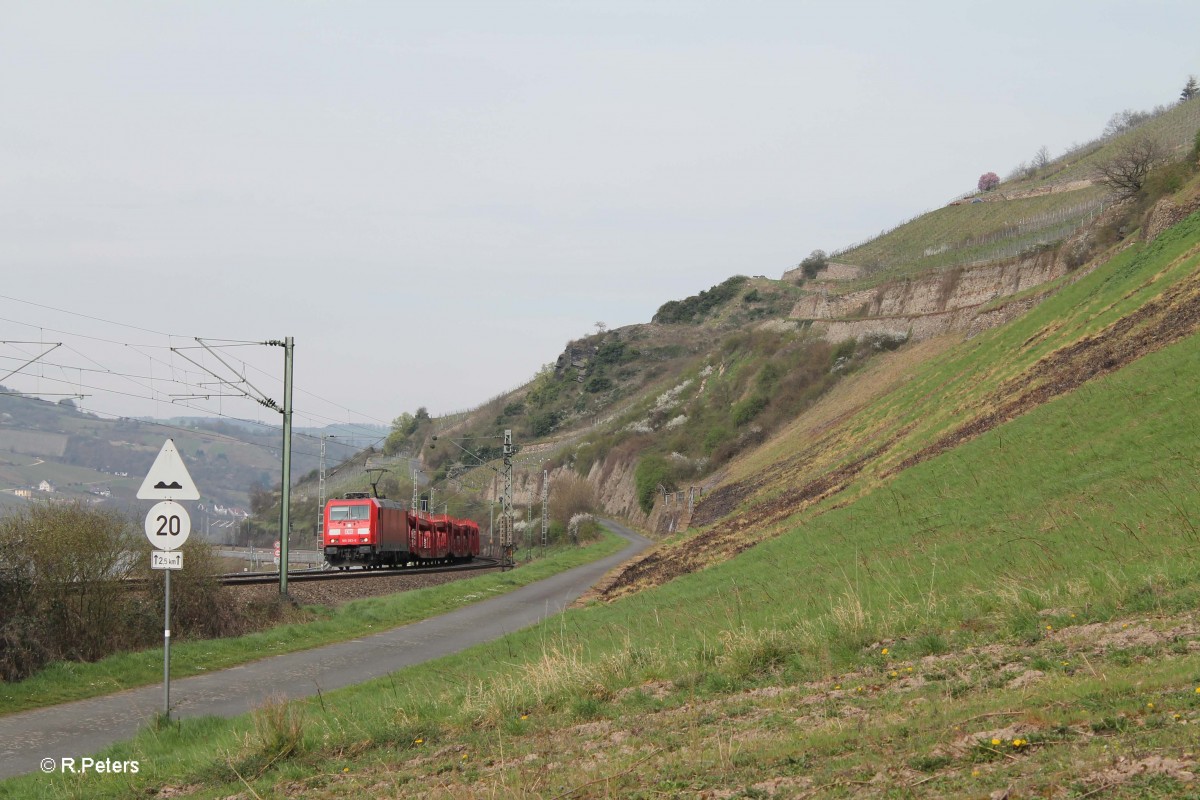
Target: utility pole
x=545, y=492
x=286, y=485
x=506, y=511
x=321, y=493
x=414, y=481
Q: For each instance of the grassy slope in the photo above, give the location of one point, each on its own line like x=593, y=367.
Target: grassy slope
x=901, y=252
x=987, y=558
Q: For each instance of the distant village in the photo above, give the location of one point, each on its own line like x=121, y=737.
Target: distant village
x=102, y=493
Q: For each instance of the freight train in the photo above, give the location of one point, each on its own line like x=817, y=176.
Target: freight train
x=372, y=532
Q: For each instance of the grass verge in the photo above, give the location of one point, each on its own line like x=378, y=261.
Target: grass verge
x=65, y=681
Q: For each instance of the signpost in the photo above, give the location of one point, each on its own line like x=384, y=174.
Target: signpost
x=167, y=527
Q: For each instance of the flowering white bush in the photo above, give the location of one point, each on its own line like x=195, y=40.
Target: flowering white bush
x=669, y=397
x=576, y=521
x=675, y=422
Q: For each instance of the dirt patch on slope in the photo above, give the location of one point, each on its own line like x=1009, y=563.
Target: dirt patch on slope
x=725, y=541
x=1162, y=321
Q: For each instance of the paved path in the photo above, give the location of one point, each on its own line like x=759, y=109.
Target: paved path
x=81, y=728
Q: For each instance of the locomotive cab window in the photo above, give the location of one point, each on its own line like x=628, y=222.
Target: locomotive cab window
x=349, y=512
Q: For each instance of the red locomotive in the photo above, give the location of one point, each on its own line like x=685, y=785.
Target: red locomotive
x=372, y=532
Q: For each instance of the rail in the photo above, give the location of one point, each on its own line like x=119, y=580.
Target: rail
x=252, y=578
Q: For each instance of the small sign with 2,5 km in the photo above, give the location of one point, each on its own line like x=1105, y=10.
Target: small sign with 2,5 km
x=166, y=559
x=168, y=525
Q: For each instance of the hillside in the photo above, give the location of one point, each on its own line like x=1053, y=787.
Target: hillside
x=83, y=456
x=966, y=570
x=898, y=556
x=653, y=415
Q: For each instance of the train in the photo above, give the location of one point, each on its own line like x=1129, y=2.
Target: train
x=373, y=533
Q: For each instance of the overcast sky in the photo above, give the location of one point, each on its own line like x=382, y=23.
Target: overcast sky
x=434, y=197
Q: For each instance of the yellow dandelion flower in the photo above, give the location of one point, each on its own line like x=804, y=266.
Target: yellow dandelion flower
x=345, y=769
x=909, y=669
x=894, y=673
x=974, y=773
x=838, y=686
x=995, y=741
x=524, y=716
x=884, y=651
x=1049, y=627
x=418, y=741
x=1198, y=690
x=1072, y=616
x=859, y=689
x=464, y=757
x=1149, y=705
x=1177, y=716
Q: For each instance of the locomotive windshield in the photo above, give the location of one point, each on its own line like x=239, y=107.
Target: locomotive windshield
x=350, y=512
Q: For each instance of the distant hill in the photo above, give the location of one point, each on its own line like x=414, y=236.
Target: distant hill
x=81, y=455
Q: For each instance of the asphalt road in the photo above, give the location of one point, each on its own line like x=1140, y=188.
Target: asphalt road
x=84, y=727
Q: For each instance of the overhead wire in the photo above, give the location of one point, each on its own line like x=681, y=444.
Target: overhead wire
x=189, y=379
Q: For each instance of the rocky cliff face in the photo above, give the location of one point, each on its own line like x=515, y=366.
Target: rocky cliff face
x=1168, y=212
x=925, y=306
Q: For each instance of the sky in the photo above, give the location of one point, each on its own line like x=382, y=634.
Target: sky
x=433, y=198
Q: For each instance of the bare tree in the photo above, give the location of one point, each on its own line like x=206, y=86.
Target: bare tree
x=1042, y=159
x=1123, y=121
x=1126, y=171
x=600, y=327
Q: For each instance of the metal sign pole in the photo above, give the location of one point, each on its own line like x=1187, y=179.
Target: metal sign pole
x=167, y=527
x=167, y=648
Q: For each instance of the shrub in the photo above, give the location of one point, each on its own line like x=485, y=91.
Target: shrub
x=651, y=471
x=715, y=438
x=844, y=349
x=1166, y=179
x=817, y=260
x=748, y=409
x=695, y=307
x=63, y=596
x=988, y=181
x=542, y=424
x=570, y=495
x=614, y=351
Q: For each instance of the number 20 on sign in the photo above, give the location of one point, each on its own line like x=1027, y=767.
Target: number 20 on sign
x=168, y=525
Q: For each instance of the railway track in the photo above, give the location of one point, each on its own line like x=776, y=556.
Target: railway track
x=251, y=578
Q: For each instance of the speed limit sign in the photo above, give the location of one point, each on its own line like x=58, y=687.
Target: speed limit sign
x=168, y=525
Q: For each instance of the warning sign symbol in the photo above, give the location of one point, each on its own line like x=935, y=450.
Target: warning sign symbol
x=168, y=478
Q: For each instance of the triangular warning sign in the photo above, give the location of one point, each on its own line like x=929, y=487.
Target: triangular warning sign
x=168, y=478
